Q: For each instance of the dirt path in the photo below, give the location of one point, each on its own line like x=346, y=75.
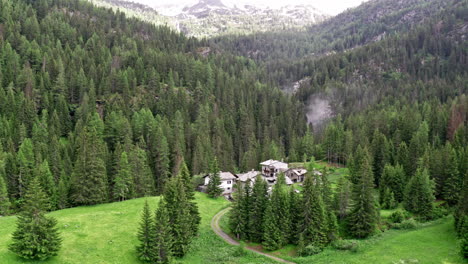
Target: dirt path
x=217, y=229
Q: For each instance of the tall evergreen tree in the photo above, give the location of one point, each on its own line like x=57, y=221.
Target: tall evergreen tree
x=272, y=233
x=36, y=236
x=4, y=200
x=419, y=194
x=236, y=216
x=47, y=182
x=123, y=186
x=89, y=181
x=363, y=217
x=342, y=197
x=162, y=249
x=213, y=188
x=313, y=227
x=26, y=161
x=178, y=211
x=257, y=212
x=184, y=174
x=453, y=182
x=146, y=233
x=141, y=172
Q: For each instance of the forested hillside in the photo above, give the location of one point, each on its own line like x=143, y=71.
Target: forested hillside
x=88, y=95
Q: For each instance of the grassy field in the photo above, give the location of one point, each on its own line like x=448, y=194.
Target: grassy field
x=107, y=234
x=434, y=243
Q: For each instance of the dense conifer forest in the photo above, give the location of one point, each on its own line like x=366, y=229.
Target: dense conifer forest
x=108, y=107
x=97, y=106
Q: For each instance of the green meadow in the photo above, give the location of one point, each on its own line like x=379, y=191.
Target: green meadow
x=107, y=234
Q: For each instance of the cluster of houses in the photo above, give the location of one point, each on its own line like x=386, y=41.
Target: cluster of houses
x=270, y=171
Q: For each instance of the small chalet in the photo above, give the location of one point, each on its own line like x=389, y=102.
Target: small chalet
x=296, y=175
x=227, y=181
x=271, y=168
x=244, y=177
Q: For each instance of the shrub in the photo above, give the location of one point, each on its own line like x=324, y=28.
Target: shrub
x=398, y=216
x=439, y=212
x=406, y=224
x=239, y=251
x=351, y=245
x=309, y=251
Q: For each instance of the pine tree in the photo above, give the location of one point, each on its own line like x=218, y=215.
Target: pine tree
x=89, y=181
x=141, y=172
x=47, y=182
x=313, y=227
x=236, y=219
x=419, y=195
x=36, y=236
x=272, y=233
x=213, y=189
x=178, y=211
x=451, y=188
x=388, y=199
x=162, y=249
x=295, y=210
x=26, y=161
x=63, y=191
x=363, y=217
x=123, y=186
x=146, y=234
x=162, y=160
x=4, y=200
x=247, y=208
x=327, y=196
x=342, y=197
x=257, y=212
x=184, y=174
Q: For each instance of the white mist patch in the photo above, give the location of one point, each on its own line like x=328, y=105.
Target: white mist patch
x=318, y=111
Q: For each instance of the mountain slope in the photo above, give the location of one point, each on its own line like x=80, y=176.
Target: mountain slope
x=209, y=18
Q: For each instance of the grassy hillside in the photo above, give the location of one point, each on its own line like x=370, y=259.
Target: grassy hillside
x=435, y=243
x=107, y=234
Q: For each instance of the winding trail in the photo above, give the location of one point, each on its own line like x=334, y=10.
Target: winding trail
x=217, y=229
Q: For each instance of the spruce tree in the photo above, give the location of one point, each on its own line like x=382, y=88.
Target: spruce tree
x=342, y=197
x=213, y=189
x=123, y=186
x=180, y=220
x=236, y=219
x=453, y=182
x=246, y=208
x=62, y=192
x=257, y=212
x=419, y=195
x=185, y=176
x=313, y=227
x=89, y=180
x=295, y=210
x=162, y=249
x=26, y=161
x=272, y=233
x=146, y=233
x=141, y=172
x=36, y=236
x=47, y=182
x=4, y=200
x=363, y=217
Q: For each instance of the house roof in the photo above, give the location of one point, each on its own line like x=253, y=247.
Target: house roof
x=298, y=172
x=248, y=175
x=275, y=163
x=288, y=180
x=224, y=175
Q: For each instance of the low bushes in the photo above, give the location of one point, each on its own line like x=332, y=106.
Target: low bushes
x=346, y=244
